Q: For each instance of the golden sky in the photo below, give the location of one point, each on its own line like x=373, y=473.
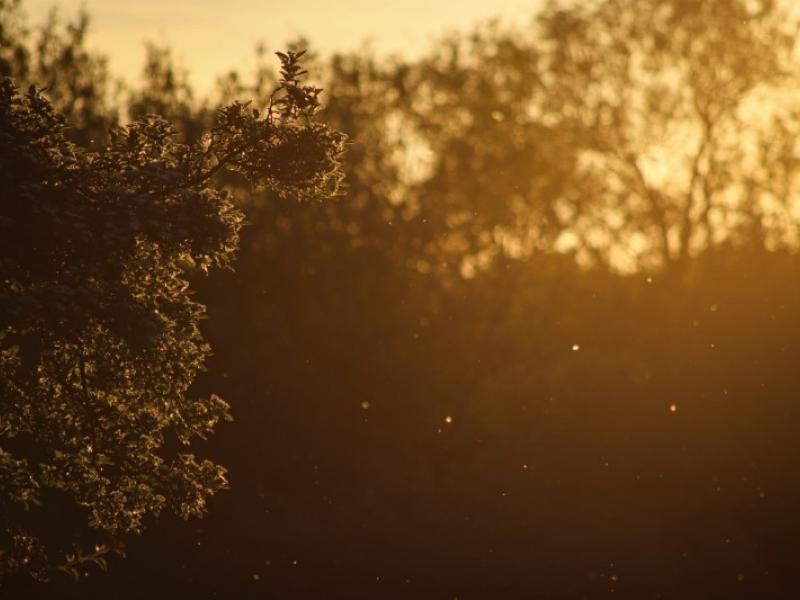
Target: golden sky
x=212, y=36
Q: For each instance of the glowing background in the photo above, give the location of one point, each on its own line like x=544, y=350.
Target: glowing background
x=209, y=41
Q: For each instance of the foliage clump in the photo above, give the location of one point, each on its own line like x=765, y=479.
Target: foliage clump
x=99, y=333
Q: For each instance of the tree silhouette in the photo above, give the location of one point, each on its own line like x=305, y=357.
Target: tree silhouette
x=677, y=112
x=100, y=338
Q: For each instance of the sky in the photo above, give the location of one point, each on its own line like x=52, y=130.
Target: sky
x=210, y=37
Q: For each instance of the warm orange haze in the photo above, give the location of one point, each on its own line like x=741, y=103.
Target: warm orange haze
x=210, y=41
x=481, y=309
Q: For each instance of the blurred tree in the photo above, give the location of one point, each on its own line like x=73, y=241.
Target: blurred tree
x=55, y=58
x=495, y=169
x=678, y=114
x=100, y=337
x=166, y=92
x=14, y=54
x=74, y=79
x=635, y=134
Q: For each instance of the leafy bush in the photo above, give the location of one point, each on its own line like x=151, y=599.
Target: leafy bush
x=99, y=338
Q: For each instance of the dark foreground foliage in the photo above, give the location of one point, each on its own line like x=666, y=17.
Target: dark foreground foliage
x=99, y=338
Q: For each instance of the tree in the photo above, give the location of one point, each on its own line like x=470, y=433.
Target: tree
x=166, y=92
x=99, y=337
x=55, y=58
x=681, y=116
x=636, y=134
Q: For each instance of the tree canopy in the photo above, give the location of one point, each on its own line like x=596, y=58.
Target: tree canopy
x=99, y=331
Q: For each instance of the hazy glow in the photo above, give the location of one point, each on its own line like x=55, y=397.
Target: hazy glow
x=210, y=42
